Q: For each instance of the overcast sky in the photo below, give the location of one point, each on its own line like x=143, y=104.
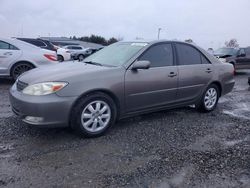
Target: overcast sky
x=207, y=22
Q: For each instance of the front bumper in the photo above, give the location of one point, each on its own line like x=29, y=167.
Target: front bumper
x=47, y=111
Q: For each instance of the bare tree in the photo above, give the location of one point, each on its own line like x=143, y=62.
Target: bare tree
x=233, y=43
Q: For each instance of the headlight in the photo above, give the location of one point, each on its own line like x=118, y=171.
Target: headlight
x=44, y=88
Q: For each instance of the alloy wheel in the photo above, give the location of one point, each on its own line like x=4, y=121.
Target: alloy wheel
x=96, y=116
x=210, y=98
x=19, y=69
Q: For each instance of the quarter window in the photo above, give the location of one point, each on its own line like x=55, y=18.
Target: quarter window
x=204, y=60
x=159, y=55
x=188, y=55
x=7, y=46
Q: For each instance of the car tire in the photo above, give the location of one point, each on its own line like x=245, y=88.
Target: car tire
x=209, y=99
x=20, y=68
x=80, y=57
x=60, y=58
x=93, y=115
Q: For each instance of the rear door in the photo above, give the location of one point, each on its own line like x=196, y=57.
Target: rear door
x=155, y=86
x=8, y=54
x=195, y=72
x=243, y=59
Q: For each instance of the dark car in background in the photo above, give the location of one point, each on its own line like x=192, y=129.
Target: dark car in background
x=45, y=44
x=238, y=57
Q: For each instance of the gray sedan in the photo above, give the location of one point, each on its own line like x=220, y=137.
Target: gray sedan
x=121, y=80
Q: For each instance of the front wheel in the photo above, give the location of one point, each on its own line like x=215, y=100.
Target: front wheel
x=93, y=115
x=209, y=99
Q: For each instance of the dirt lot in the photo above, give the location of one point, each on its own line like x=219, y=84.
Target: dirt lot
x=177, y=148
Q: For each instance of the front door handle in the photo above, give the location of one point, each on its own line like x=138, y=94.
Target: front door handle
x=209, y=70
x=172, y=74
x=7, y=53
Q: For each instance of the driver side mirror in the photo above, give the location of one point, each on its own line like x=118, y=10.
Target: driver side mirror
x=141, y=65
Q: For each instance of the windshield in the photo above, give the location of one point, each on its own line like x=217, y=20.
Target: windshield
x=226, y=51
x=116, y=54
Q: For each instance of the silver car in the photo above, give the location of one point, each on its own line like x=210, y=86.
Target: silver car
x=121, y=80
x=17, y=57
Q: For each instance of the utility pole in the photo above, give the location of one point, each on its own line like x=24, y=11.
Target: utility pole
x=159, y=31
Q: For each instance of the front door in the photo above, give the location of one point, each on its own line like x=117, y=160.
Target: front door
x=155, y=86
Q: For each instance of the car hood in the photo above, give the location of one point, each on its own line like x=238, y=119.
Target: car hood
x=60, y=72
x=222, y=55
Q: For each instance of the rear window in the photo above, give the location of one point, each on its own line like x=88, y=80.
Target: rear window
x=38, y=43
x=188, y=55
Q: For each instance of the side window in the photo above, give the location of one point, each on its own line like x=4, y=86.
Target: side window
x=188, y=55
x=204, y=60
x=242, y=51
x=4, y=45
x=7, y=46
x=76, y=48
x=13, y=47
x=247, y=50
x=159, y=55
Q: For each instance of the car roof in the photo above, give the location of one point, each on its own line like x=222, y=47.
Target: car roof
x=19, y=43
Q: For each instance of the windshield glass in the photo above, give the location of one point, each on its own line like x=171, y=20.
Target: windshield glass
x=116, y=54
x=225, y=51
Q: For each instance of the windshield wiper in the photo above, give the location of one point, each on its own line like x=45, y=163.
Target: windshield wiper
x=92, y=63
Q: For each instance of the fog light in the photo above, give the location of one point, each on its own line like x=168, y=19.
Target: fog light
x=34, y=119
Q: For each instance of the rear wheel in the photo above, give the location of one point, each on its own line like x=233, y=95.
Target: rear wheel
x=60, y=58
x=81, y=57
x=93, y=115
x=20, y=68
x=209, y=99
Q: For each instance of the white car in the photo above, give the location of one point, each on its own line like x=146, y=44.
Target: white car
x=17, y=57
x=63, y=54
x=77, y=52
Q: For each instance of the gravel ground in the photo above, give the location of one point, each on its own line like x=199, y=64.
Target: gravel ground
x=176, y=148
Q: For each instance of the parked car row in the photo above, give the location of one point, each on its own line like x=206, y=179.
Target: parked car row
x=79, y=52
x=64, y=53
x=18, y=55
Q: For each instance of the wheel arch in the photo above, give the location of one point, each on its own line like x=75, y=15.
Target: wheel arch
x=218, y=84
x=105, y=91
x=19, y=62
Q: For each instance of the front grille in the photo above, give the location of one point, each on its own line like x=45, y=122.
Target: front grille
x=21, y=85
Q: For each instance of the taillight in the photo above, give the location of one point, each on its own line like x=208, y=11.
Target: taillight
x=50, y=57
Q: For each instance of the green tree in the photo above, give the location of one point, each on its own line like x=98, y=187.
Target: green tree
x=112, y=40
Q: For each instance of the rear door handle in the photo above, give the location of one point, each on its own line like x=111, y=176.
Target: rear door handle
x=209, y=70
x=172, y=74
